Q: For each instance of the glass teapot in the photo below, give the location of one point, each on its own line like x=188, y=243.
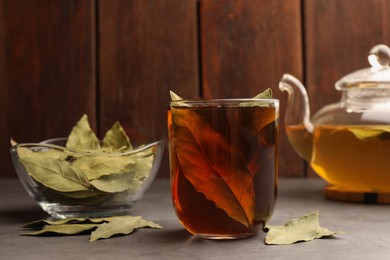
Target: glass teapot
x=347, y=143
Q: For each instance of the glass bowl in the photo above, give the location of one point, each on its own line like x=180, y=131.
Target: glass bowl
x=69, y=183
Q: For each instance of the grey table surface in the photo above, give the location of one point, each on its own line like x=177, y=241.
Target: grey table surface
x=366, y=227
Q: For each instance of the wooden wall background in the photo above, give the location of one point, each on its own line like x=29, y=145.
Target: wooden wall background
x=118, y=59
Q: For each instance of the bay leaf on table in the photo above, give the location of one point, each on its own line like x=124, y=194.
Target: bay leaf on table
x=43, y=222
x=121, y=225
x=82, y=137
x=324, y=232
x=56, y=174
x=64, y=229
x=117, y=138
x=227, y=183
x=104, y=227
x=304, y=228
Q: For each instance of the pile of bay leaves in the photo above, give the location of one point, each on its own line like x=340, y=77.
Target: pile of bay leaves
x=88, y=171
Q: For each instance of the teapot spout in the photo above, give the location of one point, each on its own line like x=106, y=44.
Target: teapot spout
x=298, y=108
x=297, y=117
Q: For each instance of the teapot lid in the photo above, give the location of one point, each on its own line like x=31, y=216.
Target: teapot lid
x=377, y=76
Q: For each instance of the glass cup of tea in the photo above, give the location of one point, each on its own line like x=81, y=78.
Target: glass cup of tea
x=223, y=165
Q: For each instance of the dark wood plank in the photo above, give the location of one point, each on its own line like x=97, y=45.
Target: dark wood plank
x=47, y=71
x=339, y=35
x=146, y=49
x=246, y=47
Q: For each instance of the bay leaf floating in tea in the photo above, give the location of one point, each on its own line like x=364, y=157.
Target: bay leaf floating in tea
x=304, y=228
x=381, y=132
x=174, y=96
x=230, y=187
x=265, y=94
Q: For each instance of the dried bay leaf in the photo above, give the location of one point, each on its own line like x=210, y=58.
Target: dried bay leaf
x=301, y=229
x=82, y=137
x=100, y=227
x=85, y=197
x=262, y=118
x=264, y=123
x=368, y=132
x=56, y=174
x=22, y=151
x=176, y=97
x=64, y=229
x=87, y=172
x=43, y=222
x=50, y=153
x=142, y=168
x=304, y=228
x=117, y=138
x=227, y=183
x=120, y=225
x=264, y=94
x=97, y=166
x=324, y=232
x=13, y=142
x=115, y=182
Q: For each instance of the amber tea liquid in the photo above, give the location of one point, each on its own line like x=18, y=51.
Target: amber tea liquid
x=352, y=158
x=223, y=161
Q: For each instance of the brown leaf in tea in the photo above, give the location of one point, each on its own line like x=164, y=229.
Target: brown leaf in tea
x=215, y=168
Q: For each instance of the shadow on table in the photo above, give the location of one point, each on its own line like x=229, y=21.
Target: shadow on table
x=172, y=236
x=21, y=216
x=182, y=236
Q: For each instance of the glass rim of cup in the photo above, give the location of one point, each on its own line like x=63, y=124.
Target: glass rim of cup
x=226, y=102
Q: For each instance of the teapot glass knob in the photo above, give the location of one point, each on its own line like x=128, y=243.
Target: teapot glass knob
x=379, y=56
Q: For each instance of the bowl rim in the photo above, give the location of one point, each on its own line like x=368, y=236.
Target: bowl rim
x=47, y=144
